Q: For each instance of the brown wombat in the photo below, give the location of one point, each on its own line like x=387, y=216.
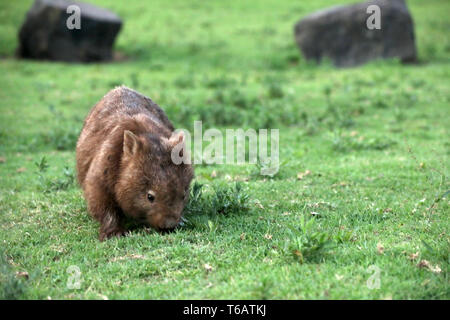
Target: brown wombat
x=124, y=164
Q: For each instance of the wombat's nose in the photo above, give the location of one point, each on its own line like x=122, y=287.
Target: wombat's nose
x=170, y=223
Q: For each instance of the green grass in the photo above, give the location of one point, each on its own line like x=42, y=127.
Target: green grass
x=375, y=139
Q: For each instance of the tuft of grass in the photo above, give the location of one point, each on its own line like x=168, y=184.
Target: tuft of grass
x=60, y=138
x=228, y=200
x=196, y=204
x=223, y=200
x=305, y=243
x=50, y=183
x=64, y=182
x=348, y=143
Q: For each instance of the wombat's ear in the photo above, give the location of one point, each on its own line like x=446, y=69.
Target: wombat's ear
x=176, y=145
x=130, y=143
x=176, y=138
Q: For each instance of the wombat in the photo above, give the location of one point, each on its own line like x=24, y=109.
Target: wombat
x=124, y=164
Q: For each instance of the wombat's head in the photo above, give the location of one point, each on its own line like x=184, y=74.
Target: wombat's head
x=151, y=188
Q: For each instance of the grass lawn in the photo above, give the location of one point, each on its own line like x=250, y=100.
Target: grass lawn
x=358, y=210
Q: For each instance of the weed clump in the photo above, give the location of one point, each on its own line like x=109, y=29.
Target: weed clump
x=48, y=184
x=60, y=138
x=348, y=143
x=305, y=243
x=223, y=200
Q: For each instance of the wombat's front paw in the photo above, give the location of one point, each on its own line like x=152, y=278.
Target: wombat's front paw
x=106, y=234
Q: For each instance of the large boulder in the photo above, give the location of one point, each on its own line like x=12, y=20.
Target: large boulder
x=341, y=34
x=46, y=34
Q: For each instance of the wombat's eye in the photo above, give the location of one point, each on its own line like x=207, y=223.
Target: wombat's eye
x=150, y=197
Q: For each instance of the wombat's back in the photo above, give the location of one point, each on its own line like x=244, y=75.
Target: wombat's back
x=100, y=143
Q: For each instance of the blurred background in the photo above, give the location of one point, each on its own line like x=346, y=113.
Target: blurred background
x=214, y=61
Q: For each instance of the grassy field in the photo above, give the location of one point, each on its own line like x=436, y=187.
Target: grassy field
x=358, y=210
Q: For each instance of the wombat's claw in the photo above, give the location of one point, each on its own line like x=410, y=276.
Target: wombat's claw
x=104, y=235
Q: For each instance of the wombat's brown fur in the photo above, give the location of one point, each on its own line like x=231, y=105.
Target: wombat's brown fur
x=124, y=164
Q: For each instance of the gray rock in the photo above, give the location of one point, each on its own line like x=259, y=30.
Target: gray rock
x=45, y=35
x=341, y=34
